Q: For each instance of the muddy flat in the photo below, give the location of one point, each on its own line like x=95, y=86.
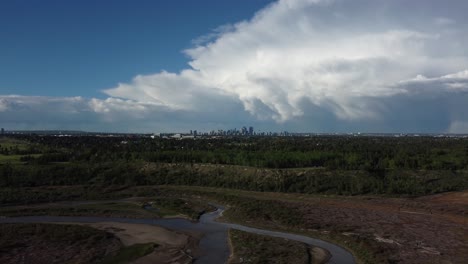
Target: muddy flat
x=173, y=246
x=130, y=234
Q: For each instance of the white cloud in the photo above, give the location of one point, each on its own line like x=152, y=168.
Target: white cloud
x=51, y=112
x=454, y=82
x=298, y=56
x=288, y=53
x=3, y=105
x=110, y=114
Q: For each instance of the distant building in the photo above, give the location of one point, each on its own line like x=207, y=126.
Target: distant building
x=176, y=136
x=251, y=131
x=244, y=131
x=3, y=131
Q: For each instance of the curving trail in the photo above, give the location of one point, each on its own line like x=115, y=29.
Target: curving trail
x=214, y=244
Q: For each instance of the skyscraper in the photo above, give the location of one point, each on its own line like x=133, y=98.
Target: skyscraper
x=3, y=131
x=251, y=131
x=244, y=131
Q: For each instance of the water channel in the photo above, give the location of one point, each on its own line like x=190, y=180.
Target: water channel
x=214, y=243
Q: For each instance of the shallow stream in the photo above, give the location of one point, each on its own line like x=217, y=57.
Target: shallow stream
x=214, y=243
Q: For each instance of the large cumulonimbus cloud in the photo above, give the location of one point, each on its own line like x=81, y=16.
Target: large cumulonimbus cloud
x=375, y=65
x=319, y=52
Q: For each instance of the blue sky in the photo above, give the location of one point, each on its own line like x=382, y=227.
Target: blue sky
x=296, y=65
x=77, y=48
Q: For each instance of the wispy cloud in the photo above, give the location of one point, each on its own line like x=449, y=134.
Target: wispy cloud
x=444, y=21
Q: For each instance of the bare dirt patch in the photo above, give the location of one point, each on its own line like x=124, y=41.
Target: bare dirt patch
x=173, y=246
x=401, y=230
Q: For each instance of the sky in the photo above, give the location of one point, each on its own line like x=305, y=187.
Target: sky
x=179, y=65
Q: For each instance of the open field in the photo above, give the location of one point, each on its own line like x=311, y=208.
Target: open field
x=377, y=229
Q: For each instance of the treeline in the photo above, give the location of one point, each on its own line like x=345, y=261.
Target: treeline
x=117, y=173
x=331, y=152
x=400, y=182
x=326, y=164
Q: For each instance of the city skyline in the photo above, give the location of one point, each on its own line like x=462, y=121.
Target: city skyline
x=286, y=65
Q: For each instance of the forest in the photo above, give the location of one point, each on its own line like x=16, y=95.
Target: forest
x=346, y=165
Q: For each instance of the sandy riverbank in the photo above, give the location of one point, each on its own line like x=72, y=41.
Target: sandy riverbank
x=172, y=245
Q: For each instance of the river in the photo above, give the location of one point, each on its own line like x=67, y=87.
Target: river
x=214, y=243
